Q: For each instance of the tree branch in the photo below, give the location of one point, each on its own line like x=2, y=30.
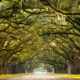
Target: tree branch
x=63, y=33
x=61, y=11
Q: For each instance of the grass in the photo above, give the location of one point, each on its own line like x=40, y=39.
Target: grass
x=12, y=75
x=73, y=76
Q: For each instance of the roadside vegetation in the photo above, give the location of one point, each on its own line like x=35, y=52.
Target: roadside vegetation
x=12, y=75
x=73, y=76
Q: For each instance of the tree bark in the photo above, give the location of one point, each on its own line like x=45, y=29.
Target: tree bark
x=69, y=67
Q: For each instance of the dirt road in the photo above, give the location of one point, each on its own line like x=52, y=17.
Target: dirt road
x=38, y=77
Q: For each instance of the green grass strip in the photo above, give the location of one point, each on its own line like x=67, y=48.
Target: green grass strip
x=12, y=75
x=73, y=76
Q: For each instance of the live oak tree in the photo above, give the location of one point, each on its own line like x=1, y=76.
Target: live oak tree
x=24, y=23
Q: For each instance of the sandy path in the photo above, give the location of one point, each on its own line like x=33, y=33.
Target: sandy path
x=38, y=77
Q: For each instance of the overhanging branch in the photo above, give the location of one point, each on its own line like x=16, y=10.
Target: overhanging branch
x=61, y=11
x=63, y=33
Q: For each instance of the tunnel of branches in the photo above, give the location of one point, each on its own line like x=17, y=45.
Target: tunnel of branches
x=39, y=32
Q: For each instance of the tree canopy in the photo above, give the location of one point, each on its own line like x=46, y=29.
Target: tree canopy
x=32, y=30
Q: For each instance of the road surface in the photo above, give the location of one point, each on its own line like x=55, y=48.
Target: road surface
x=38, y=77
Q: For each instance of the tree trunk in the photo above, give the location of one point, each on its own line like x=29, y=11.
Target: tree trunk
x=69, y=67
x=76, y=66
